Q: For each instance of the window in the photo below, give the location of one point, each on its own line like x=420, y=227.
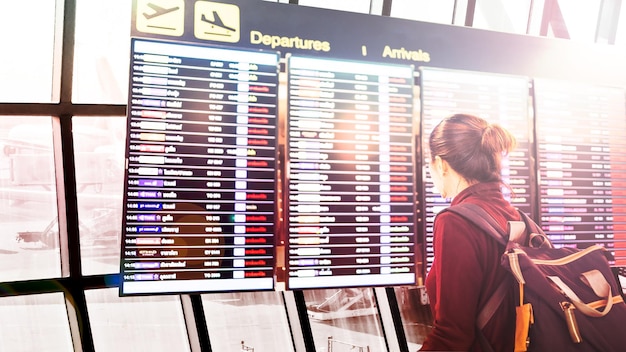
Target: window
x=416, y=317
x=99, y=144
x=34, y=323
x=29, y=245
x=344, y=319
x=153, y=323
x=101, y=49
x=423, y=10
x=504, y=16
x=579, y=19
x=253, y=320
x=28, y=34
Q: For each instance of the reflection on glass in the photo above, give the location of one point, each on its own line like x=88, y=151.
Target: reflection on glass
x=248, y=321
x=34, y=323
x=502, y=16
x=29, y=245
x=360, y=6
x=151, y=323
x=620, y=36
x=99, y=157
x=344, y=319
x=424, y=10
x=27, y=40
x=102, y=44
x=415, y=314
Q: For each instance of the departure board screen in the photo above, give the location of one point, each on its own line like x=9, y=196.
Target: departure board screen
x=501, y=99
x=199, y=192
x=582, y=164
x=350, y=196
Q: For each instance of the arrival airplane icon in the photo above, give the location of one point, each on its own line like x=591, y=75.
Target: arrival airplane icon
x=217, y=23
x=158, y=11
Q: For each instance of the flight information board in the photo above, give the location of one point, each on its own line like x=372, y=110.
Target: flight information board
x=350, y=196
x=501, y=99
x=582, y=164
x=199, y=193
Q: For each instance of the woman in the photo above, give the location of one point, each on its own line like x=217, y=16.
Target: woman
x=465, y=153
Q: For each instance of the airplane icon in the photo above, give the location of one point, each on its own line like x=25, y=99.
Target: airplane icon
x=217, y=22
x=158, y=11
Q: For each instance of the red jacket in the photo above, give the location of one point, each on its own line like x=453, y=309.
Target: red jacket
x=465, y=272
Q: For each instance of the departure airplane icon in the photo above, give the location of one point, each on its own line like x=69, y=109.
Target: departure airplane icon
x=217, y=22
x=158, y=11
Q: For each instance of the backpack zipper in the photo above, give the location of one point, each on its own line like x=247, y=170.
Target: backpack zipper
x=570, y=320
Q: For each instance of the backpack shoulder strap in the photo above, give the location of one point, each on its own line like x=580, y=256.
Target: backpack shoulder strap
x=479, y=217
x=537, y=238
x=483, y=220
x=532, y=226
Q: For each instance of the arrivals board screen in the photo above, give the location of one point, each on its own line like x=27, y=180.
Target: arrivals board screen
x=199, y=193
x=501, y=99
x=582, y=164
x=350, y=189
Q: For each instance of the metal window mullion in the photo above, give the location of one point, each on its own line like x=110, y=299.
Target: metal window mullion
x=69, y=236
x=299, y=323
x=66, y=61
x=546, y=17
x=557, y=22
x=64, y=163
x=61, y=186
x=195, y=323
x=49, y=109
x=469, y=14
x=391, y=323
x=65, y=176
x=293, y=321
x=608, y=21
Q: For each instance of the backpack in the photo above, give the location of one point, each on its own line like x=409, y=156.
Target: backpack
x=569, y=299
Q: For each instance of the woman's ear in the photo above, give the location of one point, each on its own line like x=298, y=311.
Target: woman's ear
x=441, y=165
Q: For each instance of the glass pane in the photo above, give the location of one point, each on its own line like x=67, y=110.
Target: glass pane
x=580, y=17
x=536, y=17
x=99, y=147
x=248, y=321
x=29, y=247
x=423, y=10
x=416, y=316
x=344, y=320
x=361, y=6
x=28, y=36
x=34, y=323
x=101, y=57
x=151, y=323
x=504, y=16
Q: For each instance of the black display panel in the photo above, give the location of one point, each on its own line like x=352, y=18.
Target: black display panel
x=199, y=188
x=273, y=196
x=582, y=164
x=501, y=99
x=350, y=190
